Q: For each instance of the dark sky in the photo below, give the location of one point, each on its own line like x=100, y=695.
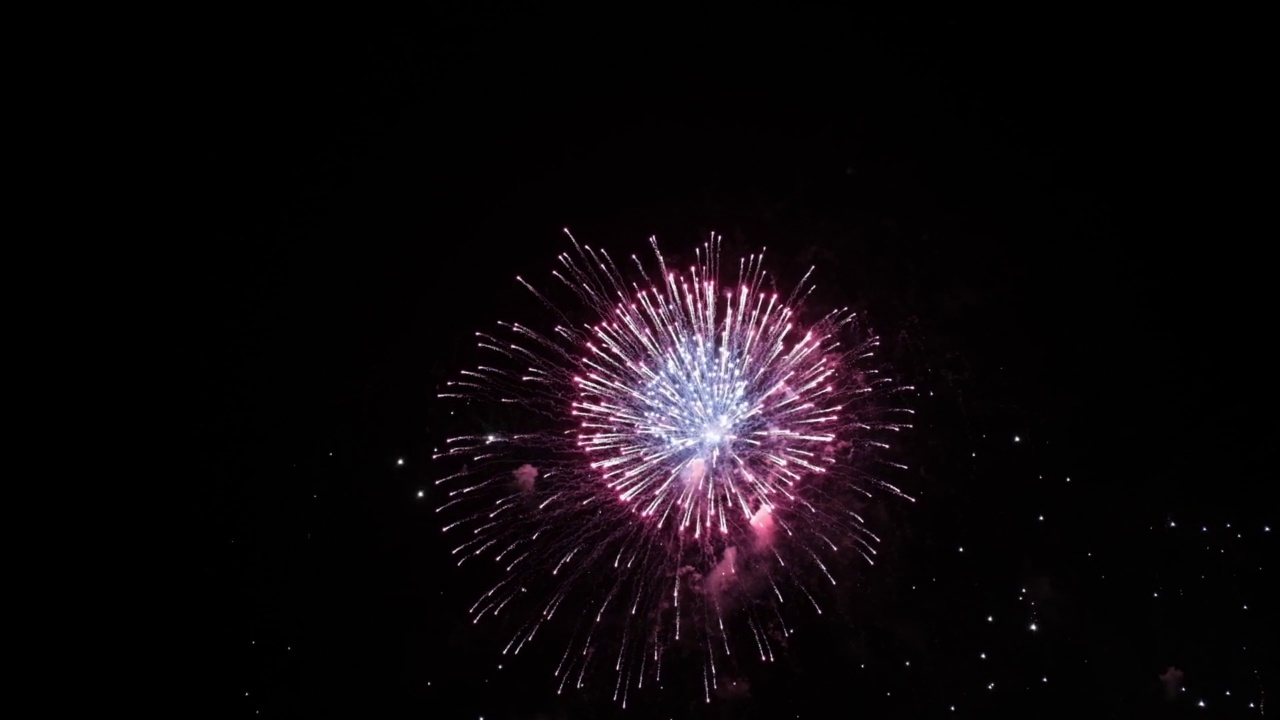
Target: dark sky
x=1053, y=220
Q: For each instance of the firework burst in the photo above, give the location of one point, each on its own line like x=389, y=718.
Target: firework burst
x=687, y=472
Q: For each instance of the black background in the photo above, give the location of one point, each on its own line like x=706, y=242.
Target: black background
x=1054, y=220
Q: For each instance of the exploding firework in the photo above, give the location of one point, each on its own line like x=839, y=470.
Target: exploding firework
x=679, y=471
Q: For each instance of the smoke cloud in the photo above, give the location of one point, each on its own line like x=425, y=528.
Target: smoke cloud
x=525, y=476
x=1172, y=680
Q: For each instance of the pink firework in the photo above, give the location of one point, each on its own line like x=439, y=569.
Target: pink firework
x=680, y=470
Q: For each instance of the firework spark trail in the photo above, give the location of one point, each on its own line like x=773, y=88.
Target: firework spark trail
x=677, y=437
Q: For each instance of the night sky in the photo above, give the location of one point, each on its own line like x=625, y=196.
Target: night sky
x=1052, y=221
